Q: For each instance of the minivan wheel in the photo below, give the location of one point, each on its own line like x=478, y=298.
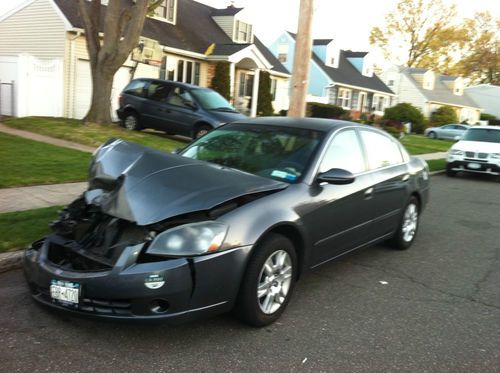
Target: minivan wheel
x=268, y=282
x=131, y=122
x=408, y=226
x=201, y=131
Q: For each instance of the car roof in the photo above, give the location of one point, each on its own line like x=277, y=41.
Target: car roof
x=317, y=124
x=485, y=127
x=180, y=84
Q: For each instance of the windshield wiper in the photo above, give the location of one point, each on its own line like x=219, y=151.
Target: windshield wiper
x=225, y=108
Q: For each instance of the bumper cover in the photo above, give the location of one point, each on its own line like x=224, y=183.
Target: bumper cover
x=194, y=287
x=481, y=168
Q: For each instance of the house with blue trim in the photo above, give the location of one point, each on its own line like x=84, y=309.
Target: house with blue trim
x=340, y=77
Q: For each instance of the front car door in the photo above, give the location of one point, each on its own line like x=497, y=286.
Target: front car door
x=387, y=162
x=182, y=112
x=341, y=220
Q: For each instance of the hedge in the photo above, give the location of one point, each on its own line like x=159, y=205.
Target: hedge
x=319, y=110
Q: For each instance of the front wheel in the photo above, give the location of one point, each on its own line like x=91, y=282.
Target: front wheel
x=407, y=230
x=268, y=282
x=432, y=135
x=201, y=131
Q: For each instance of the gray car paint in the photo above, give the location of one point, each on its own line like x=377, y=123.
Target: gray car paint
x=323, y=220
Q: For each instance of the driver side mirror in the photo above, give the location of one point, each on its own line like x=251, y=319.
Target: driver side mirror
x=336, y=176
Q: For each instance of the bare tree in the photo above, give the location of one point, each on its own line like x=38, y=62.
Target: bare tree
x=122, y=23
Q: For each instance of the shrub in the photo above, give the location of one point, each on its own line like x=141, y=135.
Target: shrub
x=221, y=80
x=405, y=112
x=486, y=116
x=393, y=131
x=444, y=115
x=265, y=99
x=318, y=110
x=494, y=122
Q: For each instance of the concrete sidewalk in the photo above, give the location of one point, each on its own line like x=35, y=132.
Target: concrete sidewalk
x=38, y=196
x=46, y=139
x=431, y=156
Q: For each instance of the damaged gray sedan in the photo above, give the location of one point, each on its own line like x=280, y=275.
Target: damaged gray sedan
x=231, y=222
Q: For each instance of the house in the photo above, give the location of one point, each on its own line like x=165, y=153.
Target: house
x=340, y=77
x=43, y=51
x=428, y=91
x=487, y=96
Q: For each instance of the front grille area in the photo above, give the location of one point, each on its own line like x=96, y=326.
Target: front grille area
x=470, y=154
x=482, y=155
x=475, y=160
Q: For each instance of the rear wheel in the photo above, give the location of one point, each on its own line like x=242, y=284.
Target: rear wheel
x=131, y=122
x=407, y=230
x=268, y=282
x=201, y=130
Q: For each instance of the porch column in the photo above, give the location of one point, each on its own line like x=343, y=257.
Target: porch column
x=232, y=77
x=255, y=93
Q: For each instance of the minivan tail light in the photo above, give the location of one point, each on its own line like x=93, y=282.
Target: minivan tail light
x=120, y=100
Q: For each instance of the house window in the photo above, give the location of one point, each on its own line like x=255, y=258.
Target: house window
x=163, y=68
x=282, y=52
x=344, y=98
x=246, y=85
x=243, y=31
x=182, y=71
x=380, y=104
x=274, y=83
x=189, y=72
x=332, y=61
x=166, y=10
x=390, y=83
x=282, y=57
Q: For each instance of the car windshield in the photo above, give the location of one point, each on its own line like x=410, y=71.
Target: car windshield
x=273, y=152
x=482, y=134
x=211, y=100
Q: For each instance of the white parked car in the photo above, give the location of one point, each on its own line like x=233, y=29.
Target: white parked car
x=478, y=151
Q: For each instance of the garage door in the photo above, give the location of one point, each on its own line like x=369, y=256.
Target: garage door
x=8, y=74
x=83, y=89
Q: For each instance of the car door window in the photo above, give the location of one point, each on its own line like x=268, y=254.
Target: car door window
x=344, y=152
x=179, y=97
x=381, y=150
x=135, y=88
x=158, y=91
x=447, y=127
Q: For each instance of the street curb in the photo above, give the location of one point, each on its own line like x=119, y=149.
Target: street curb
x=433, y=173
x=11, y=260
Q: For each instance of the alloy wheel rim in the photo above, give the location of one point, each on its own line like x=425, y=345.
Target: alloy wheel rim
x=201, y=133
x=410, y=222
x=130, y=122
x=274, y=281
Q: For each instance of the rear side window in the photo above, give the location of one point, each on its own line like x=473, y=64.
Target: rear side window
x=135, y=88
x=158, y=91
x=381, y=150
x=344, y=152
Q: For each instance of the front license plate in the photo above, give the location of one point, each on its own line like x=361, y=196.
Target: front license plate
x=65, y=292
x=474, y=166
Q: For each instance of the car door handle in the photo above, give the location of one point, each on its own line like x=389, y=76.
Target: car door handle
x=369, y=193
x=406, y=178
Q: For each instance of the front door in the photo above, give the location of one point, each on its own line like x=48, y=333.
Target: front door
x=181, y=110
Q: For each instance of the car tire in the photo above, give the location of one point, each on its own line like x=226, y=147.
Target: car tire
x=131, y=122
x=273, y=270
x=432, y=135
x=408, y=226
x=201, y=130
x=450, y=172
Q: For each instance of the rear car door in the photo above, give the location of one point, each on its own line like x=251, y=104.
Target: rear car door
x=182, y=112
x=389, y=172
x=154, y=109
x=342, y=219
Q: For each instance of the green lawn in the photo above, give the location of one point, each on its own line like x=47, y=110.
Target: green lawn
x=18, y=229
x=91, y=134
x=437, y=164
x=419, y=144
x=27, y=162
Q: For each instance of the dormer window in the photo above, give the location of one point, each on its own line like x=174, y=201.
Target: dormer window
x=282, y=53
x=166, y=10
x=243, y=32
x=332, y=61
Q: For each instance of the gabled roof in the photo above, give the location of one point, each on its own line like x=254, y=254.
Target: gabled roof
x=194, y=31
x=229, y=11
x=351, y=54
x=347, y=74
x=441, y=93
x=322, y=41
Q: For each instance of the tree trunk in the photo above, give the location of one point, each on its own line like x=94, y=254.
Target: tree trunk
x=102, y=84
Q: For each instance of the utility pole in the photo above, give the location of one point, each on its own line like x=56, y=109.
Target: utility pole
x=301, y=61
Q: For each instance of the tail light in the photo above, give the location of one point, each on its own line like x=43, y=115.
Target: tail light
x=120, y=100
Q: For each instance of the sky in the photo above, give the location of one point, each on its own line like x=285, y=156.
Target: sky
x=348, y=22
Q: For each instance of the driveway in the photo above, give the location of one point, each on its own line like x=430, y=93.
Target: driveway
x=435, y=307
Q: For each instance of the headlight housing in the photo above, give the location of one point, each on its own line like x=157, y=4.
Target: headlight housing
x=456, y=152
x=495, y=155
x=189, y=239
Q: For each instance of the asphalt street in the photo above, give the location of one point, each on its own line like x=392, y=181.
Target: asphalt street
x=435, y=307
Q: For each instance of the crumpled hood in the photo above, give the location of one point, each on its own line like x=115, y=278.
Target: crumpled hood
x=145, y=186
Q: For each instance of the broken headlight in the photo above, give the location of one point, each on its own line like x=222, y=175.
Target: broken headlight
x=189, y=239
